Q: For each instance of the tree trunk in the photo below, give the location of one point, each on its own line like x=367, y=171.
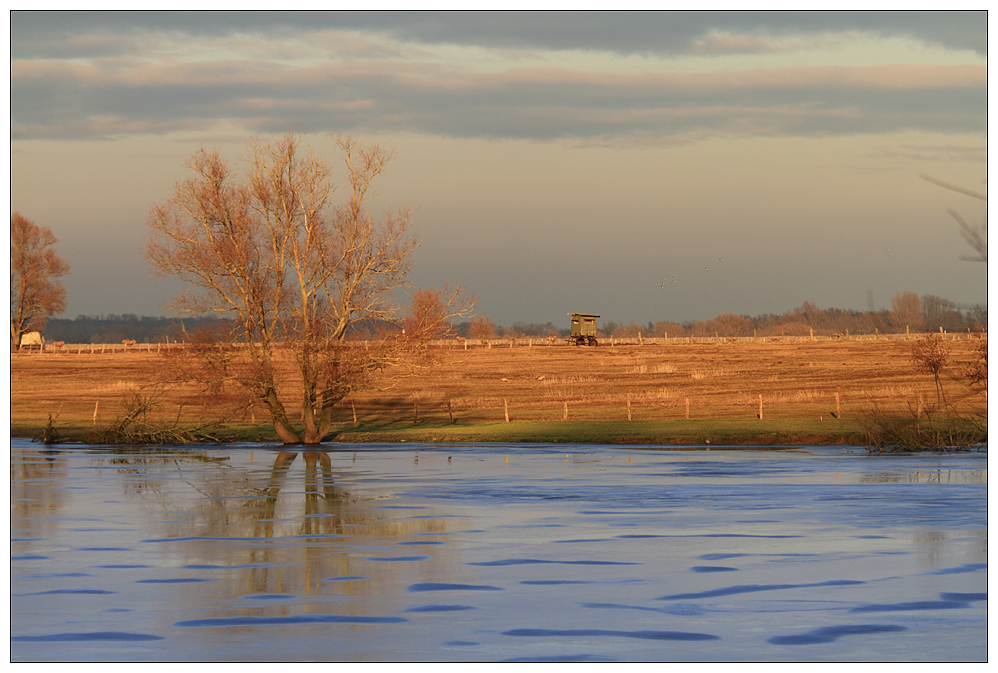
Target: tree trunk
x=282, y=424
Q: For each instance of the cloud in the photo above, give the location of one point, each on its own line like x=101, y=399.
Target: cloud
x=111, y=97
x=43, y=34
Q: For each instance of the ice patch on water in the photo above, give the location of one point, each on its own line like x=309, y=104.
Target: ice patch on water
x=965, y=568
x=560, y=659
x=289, y=621
x=82, y=637
x=751, y=588
x=682, y=609
x=913, y=605
x=533, y=561
x=103, y=549
x=53, y=592
x=442, y=586
x=174, y=580
x=829, y=634
x=971, y=597
x=604, y=633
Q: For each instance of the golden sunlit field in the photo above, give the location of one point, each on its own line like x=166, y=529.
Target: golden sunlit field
x=680, y=392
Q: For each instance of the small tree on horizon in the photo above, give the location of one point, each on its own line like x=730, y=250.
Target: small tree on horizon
x=35, y=292
x=482, y=329
x=906, y=311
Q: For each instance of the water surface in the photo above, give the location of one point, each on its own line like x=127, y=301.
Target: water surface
x=496, y=553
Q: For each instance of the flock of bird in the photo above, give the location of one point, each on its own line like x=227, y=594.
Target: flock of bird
x=665, y=279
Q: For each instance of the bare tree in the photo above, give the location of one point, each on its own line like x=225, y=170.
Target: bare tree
x=977, y=236
x=906, y=311
x=482, y=329
x=977, y=371
x=291, y=270
x=35, y=294
x=432, y=310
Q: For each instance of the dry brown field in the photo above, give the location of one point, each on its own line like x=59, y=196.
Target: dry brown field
x=810, y=392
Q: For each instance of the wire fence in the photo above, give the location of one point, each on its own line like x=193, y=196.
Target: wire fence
x=516, y=342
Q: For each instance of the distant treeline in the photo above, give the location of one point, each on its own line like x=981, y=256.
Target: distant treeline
x=114, y=328
x=909, y=313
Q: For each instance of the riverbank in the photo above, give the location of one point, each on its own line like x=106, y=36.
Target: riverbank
x=726, y=433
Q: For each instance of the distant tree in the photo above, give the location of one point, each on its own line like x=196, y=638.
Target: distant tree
x=731, y=325
x=625, y=331
x=35, y=292
x=808, y=313
x=269, y=250
x=535, y=329
x=700, y=328
x=796, y=328
x=431, y=312
x=482, y=329
x=939, y=312
x=977, y=318
x=662, y=329
x=906, y=312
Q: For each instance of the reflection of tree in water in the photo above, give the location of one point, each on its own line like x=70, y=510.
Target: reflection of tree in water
x=937, y=476
x=36, y=492
x=250, y=530
x=941, y=549
x=264, y=532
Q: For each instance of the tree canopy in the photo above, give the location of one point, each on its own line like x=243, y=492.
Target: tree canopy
x=35, y=291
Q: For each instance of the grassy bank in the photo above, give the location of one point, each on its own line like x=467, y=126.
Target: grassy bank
x=806, y=393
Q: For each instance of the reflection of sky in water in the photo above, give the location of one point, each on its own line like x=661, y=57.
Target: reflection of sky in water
x=496, y=553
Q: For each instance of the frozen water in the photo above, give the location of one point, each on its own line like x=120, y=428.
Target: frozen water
x=496, y=553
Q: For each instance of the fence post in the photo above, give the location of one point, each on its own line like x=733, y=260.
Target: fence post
x=505, y=406
x=760, y=407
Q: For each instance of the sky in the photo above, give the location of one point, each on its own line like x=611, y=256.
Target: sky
x=664, y=166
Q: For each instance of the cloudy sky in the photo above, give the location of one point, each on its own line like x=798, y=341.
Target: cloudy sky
x=646, y=167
